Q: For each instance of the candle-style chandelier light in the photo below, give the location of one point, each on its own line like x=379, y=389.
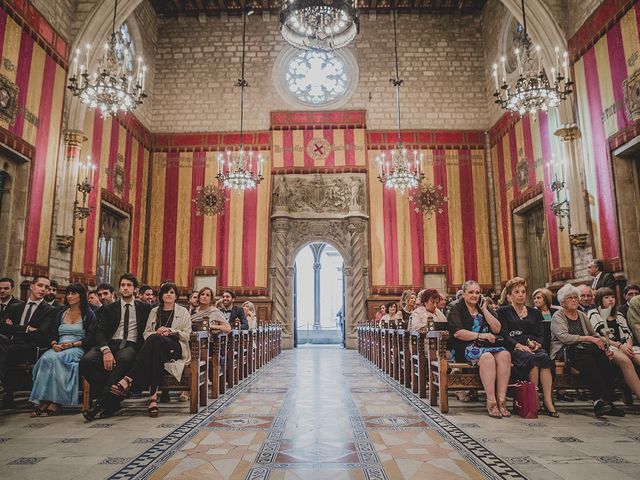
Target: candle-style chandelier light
x=533, y=91
x=403, y=169
x=319, y=24
x=112, y=87
x=241, y=169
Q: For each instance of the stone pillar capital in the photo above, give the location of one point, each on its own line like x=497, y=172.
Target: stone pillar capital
x=74, y=138
x=568, y=132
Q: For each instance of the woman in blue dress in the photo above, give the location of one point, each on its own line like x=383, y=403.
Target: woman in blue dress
x=56, y=374
x=475, y=330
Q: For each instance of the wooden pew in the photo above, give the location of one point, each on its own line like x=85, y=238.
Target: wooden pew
x=252, y=352
x=218, y=371
x=232, y=362
x=419, y=370
x=404, y=358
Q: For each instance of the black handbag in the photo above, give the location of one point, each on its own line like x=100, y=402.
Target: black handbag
x=487, y=344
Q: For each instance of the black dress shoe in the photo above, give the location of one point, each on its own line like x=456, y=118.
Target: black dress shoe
x=7, y=401
x=602, y=408
x=565, y=397
x=616, y=412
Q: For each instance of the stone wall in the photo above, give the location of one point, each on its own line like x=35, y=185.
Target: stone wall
x=59, y=13
x=146, y=22
x=577, y=13
x=441, y=62
x=494, y=16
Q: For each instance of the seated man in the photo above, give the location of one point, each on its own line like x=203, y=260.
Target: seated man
x=24, y=328
x=630, y=291
x=118, y=337
x=234, y=315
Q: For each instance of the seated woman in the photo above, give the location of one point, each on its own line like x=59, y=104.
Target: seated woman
x=426, y=313
x=391, y=318
x=381, y=312
x=611, y=325
x=522, y=329
x=475, y=330
x=574, y=340
x=250, y=312
x=166, y=347
x=205, y=309
x=56, y=374
x=407, y=304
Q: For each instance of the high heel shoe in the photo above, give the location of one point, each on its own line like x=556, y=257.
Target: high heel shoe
x=503, y=408
x=493, y=410
x=549, y=413
x=121, y=389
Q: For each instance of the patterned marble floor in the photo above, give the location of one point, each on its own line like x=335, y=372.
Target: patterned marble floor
x=321, y=413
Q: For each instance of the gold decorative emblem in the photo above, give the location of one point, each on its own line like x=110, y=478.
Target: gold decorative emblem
x=522, y=170
x=318, y=148
x=8, y=100
x=209, y=200
x=632, y=96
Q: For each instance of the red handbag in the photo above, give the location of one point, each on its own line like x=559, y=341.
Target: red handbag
x=525, y=400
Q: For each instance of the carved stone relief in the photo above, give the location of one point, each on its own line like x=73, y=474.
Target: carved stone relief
x=327, y=208
x=313, y=195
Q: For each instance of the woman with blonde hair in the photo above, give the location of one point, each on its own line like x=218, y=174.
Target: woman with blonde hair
x=407, y=304
x=250, y=312
x=475, y=330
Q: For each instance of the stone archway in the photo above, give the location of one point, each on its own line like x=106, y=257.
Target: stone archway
x=327, y=208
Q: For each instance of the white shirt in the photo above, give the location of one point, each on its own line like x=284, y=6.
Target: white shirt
x=133, y=330
x=595, y=280
x=26, y=309
x=6, y=304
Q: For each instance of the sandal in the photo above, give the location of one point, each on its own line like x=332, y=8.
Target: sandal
x=492, y=410
x=503, y=409
x=38, y=412
x=53, y=412
x=549, y=413
x=184, y=397
x=121, y=389
x=152, y=409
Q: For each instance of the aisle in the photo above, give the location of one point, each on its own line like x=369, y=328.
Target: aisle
x=317, y=413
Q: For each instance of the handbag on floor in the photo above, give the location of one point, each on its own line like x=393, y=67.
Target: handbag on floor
x=525, y=400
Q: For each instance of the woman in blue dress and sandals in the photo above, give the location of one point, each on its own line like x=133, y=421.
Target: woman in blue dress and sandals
x=476, y=340
x=56, y=374
x=523, y=331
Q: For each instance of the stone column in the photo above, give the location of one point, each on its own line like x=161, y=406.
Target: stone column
x=316, y=249
x=73, y=141
x=493, y=224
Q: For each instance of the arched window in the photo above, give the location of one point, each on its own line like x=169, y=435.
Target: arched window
x=125, y=49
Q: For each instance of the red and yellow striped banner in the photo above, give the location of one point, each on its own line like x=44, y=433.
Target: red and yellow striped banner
x=599, y=76
x=521, y=153
x=404, y=242
x=41, y=84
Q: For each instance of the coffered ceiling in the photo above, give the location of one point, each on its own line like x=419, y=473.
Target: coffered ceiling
x=215, y=7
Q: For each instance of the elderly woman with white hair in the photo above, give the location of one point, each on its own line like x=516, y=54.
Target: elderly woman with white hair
x=572, y=333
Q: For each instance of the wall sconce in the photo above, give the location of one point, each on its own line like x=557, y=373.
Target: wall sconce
x=560, y=207
x=84, y=185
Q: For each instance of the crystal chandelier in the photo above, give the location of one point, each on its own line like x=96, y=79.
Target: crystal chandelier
x=112, y=87
x=237, y=169
x=532, y=92
x=403, y=170
x=319, y=24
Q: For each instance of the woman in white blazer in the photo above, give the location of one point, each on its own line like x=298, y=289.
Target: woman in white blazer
x=166, y=347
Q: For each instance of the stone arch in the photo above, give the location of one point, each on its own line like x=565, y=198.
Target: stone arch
x=319, y=208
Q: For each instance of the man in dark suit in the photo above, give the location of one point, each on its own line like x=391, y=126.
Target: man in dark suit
x=235, y=315
x=118, y=337
x=24, y=329
x=586, y=299
x=630, y=291
x=6, y=293
x=52, y=294
x=600, y=278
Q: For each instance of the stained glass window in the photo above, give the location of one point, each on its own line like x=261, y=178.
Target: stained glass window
x=316, y=77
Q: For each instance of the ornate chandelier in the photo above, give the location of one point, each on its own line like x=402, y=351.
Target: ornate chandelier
x=532, y=92
x=112, y=87
x=429, y=199
x=403, y=171
x=319, y=24
x=239, y=171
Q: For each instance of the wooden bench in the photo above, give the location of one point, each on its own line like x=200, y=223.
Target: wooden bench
x=217, y=351
x=419, y=370
x=194, y=377
x=404, y=358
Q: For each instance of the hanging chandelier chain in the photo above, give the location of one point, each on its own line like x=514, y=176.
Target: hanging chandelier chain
x=396, y=82
x=524, y=20
x=242, y=82
x=115, y=10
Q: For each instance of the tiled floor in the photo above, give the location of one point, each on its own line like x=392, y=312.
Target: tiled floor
x=321, y=413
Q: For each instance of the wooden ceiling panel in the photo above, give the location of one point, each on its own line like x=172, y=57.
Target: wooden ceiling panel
x=215, y=7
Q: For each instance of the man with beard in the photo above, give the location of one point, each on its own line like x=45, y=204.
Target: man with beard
x=52, y=294
x=235, y=315
x=106, y=293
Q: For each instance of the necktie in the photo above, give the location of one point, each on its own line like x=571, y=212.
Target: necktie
x=125, y=335
x=29, y=312
x=2, y=307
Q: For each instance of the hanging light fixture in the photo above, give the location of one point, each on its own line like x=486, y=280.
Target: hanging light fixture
x=319, y=24
x=403, y=169
x=238, y=169
x=112, y=87
x=532, y=92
